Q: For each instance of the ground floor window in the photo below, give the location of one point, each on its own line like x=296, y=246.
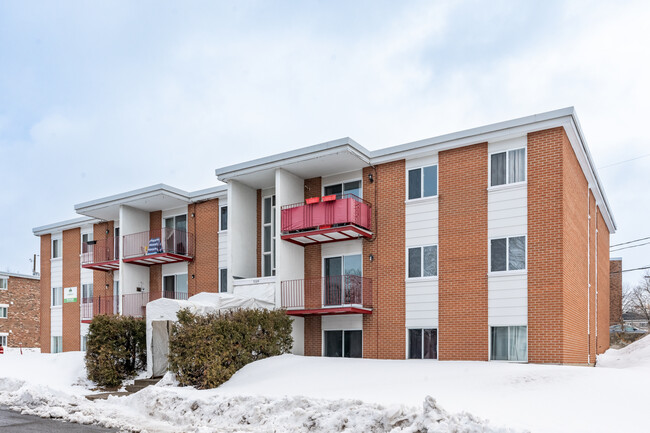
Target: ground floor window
x=346, y=344
x=223, y=280
x=3, y=339
x=509, y=343
x=84, y=341
x=57, y=345
x=423, y=344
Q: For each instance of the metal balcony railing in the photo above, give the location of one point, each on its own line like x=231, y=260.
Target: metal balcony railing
x=180, y=296
x=133, y=304
x=332, y=291
x=328, y=211
x=100, y=251
x=159, y=241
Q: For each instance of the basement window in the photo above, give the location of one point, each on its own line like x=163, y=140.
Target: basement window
x=423, y=344
x=509, y=343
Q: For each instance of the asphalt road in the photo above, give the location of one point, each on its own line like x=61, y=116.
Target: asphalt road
x=14, y=422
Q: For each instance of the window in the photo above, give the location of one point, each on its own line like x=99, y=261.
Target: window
x=223, y=280
x=85, y=238
x=346, y=344
x=3, y=339
x=56, y=248
x=223, y=218
x=268, y=236
x=353, y=187
x=508, y=167
x=57, y=345
x=3, y=283
x=423, y=261
x=175, y=286
x=508, y=254
x=4, y=308
x=509, y=343
x=343, y=281
x=84, y=342
x=423, y=182
x=176, y=234
x=57, y=296
x=86, y=293
x=423, y=344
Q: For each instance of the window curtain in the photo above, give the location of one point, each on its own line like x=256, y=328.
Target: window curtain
x=498, y=175
x=517, y=165
x=518, y=343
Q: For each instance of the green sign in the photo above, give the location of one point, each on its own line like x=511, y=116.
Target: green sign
x=69, y=294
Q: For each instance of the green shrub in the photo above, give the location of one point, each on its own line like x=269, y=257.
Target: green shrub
x=115, y=349
x=206, y=350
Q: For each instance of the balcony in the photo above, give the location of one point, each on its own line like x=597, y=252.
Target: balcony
x=133, y=304
x=159, y=246
x=340, y=294
x=331, y=218
x=101, y=255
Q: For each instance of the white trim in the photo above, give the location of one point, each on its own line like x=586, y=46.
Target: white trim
x=422, y=196
x=508, y=186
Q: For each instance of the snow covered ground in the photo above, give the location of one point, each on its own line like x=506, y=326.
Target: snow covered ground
x=291, y=393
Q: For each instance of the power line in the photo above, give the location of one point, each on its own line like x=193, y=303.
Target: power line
x=627, y=248
x=629, y=242
x=630, y=270
x=623, y=162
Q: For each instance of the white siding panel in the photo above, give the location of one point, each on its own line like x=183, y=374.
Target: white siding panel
x=223, y=249
x=422, y=303
x=508, y=300
x=422, y=162
x=342, y=248
x=344, y=321
x=56, y=321
x=422, y=223
x=343, y=177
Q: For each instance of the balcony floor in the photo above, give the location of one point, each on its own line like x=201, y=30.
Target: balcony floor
x=328, y=311
x=157, y=259
x=331, y=234
x=111, y=265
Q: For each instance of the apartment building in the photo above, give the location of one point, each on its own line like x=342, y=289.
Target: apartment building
x=485, y=244
x=19, y=310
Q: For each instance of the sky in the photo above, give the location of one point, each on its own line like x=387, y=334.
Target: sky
x=98, y=98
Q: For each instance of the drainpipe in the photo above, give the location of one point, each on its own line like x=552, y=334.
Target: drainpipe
x=588, y=280
x=596, y=282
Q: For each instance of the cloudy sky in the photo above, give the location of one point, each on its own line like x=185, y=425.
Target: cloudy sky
x=101, y=97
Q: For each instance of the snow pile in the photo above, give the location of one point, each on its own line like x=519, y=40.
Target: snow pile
x=633, y=355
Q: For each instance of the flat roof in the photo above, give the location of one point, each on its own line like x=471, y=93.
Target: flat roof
x=13, y=275
x=64, y=225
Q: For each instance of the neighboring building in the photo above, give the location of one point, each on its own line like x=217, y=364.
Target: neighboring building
x=486, y=244
x=19, y=310
x=615, y=290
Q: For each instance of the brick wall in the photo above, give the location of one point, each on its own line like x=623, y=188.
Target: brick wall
x=23, y=314
x=615, y=291
x=603, y=285
x=71, y=278
x=205, y=266
x=313, y=336
x=155, y=271
x=313, y=269
x=45, y=292
x=463, y=252
x=384, y=329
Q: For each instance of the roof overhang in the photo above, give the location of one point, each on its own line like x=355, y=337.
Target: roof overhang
x=64, y=225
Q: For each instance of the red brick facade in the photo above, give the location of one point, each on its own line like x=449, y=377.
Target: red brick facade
x=203, y=271
x=463, y=251
x=313, y=269
x=155, y=271
x=103, y=281
x=71, y=278
x=23, y=312
x=616, y=291
x=46, y=291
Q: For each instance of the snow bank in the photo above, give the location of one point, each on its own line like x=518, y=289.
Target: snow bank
x=633, y=355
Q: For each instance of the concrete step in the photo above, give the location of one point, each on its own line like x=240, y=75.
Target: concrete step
x=147, y=382
x=105, y=395
x=135, y=388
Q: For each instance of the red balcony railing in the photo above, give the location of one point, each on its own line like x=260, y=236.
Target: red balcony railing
x=332, y=291
x=105, y=305
x=133, y=304
x=101, y=254
x=166, y=245
x=331, y=210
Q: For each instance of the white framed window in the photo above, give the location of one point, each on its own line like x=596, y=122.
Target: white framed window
x=4, y=283
x=56, y=248
x=223, y=280
x=175, y=286
x=423, y=182
x=86, y=293
x=3, y=339
x=268, y=236
x=57, y=296
x=223, y=218
x=57, y=344
x=343, y=343
x=423, y=261
x=509, y=343
x=85, y=238
x=84, y=342
x=508, y=254
x=508, y=167
x=340, y=189
x=423, y=343
x=4, y=311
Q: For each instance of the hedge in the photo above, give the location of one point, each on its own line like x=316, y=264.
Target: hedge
x=206, y=350
x=115, y=349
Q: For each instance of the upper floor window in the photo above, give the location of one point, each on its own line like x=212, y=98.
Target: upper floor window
x=423, y=182
x=508, y=254
x=86, y=293
x=508, y=167
x=3, y=283
x=85, y=238
x=4, y=308
x=57, y=296
x=353, y=187
x=268, y=236
x=223, y=218
x=423, y=261
x=56, y=248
